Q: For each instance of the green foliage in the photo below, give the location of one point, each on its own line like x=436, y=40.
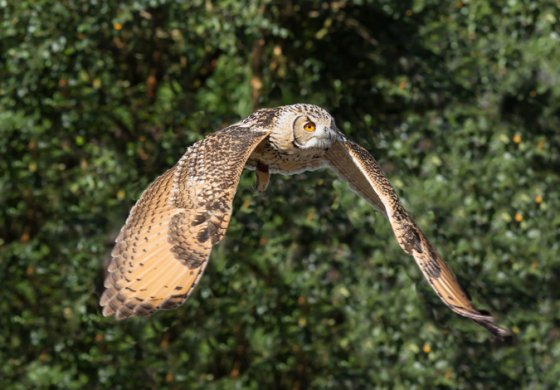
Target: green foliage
x=460, y=102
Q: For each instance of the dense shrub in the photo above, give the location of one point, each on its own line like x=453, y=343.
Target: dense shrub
x=458, y=100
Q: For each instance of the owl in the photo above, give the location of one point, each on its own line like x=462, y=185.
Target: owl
x=163, y=248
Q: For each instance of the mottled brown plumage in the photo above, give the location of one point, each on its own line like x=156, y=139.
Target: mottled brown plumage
x=163, y=248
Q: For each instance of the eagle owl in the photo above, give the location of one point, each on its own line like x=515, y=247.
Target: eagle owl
x=164, y=246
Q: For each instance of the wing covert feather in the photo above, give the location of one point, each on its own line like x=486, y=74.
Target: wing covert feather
x=163, y=248
x=357, y=167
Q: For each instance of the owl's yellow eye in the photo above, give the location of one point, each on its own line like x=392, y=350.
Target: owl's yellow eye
x=309, y=126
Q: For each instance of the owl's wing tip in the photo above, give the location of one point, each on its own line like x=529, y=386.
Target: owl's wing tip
x=107, y=311
x=489, y=322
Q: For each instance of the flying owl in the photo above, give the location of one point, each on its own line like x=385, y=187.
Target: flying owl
x=163, y=248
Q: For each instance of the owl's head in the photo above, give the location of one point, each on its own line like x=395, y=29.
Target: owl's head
x=306, y=126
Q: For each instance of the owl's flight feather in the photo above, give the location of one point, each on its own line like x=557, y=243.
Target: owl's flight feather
x=163, y=248
x=354, y=164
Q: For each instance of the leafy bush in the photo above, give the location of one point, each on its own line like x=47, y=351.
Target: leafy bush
x=458, y=100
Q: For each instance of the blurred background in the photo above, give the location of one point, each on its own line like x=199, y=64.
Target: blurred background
x=458, y=100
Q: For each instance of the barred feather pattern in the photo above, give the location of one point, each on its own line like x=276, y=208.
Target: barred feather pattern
x=163, y=248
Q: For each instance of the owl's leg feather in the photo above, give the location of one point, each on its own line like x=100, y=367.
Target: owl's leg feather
x=263, y=176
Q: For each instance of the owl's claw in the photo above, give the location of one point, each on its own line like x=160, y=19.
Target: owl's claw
x=263, y=176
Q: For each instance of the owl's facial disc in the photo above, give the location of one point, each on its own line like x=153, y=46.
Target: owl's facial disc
x=311, y=132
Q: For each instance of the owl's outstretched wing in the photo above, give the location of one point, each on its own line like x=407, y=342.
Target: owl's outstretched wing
x=163, y=248
x=361, y=171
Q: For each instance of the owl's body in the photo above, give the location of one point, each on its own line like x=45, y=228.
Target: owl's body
x=162, y=250
x=285, y=163
x=279, y=152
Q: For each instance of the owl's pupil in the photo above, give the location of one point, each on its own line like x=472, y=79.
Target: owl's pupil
x=309, y=126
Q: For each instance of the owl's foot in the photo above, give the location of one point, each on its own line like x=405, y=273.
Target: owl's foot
x=263, y=176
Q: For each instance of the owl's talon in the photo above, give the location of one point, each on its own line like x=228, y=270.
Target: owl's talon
x=263, y=176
